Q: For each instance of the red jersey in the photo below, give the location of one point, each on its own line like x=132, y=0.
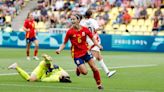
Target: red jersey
x=78, y=40
x=29, y=24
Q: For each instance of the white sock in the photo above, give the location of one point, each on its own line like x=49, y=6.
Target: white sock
x=103, y=66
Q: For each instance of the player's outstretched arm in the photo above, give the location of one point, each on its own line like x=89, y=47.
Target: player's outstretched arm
x=60, y=48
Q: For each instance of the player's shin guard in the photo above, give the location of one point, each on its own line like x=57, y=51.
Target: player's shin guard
x=77, y=72
x=27, y=52
x=35, y=52
x=96, y=75
x=23, y=73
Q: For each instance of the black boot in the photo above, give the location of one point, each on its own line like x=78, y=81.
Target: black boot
x=65, y=79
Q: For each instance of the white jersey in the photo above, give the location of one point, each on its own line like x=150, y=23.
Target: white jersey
x=90, y=23
x=92, y=26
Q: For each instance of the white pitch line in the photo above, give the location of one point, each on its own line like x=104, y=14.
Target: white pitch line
x=150, y=65
x=18, y=85
x=76, y=88
x=117, y=67
x=4, y=74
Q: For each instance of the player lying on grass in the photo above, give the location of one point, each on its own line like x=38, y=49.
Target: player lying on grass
x=45, y=71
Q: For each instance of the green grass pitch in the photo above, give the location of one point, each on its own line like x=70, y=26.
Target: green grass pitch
x=136, y=72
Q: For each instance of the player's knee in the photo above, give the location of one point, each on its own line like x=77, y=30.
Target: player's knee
x=94, y=68
x=84, y=72
x=32, y=79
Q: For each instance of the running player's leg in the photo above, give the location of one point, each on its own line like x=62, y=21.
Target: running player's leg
x=104, y=67
x=36, y=49
x=98, y=56
x=81, y=66
x=89, y=59
x=96, y=73
x=28, y=42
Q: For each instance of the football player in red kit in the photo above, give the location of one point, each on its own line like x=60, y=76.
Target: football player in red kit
x=80, y=52
x=29, y=27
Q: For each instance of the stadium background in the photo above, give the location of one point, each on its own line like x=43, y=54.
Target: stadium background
x=133, y=20
x=140, y=71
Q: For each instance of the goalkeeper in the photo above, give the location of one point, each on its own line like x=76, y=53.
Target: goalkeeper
x=45, y=71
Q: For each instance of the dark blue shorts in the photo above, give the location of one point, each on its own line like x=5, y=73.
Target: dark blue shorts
x=29, y=40
x=83, y=59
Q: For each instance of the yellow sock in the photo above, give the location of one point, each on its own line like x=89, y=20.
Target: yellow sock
x=23, y=73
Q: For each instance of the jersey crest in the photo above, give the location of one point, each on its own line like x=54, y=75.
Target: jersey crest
x=83, y=33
